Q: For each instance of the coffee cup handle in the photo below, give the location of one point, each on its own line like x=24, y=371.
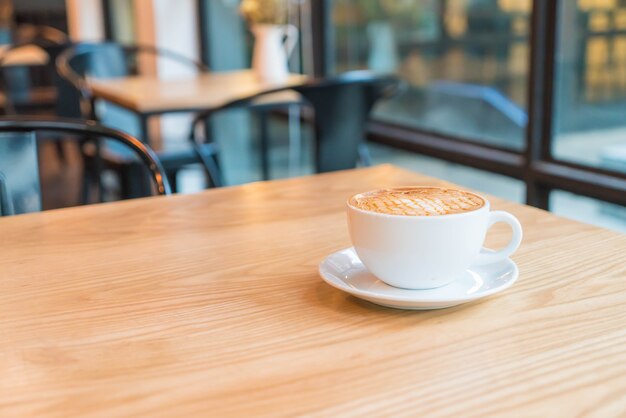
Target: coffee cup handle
x=511, y=247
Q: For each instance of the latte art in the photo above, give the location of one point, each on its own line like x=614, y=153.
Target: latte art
x=417, y=201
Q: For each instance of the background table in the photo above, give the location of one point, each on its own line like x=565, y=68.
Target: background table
x=211, y=304
x=149, y=96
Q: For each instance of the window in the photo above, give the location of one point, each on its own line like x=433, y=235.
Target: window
x=465, y=62
x=590, y=97
x=589, y=210
x=533, y=90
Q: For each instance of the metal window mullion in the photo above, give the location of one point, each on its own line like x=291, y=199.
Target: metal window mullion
x=543, y=41
x=322, y=34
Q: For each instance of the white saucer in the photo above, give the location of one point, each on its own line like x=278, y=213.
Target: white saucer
x=346, y=272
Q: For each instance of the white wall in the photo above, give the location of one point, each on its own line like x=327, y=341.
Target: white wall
x=169, y=24
x=176, y=27
x=84, y=18
x=172, y=25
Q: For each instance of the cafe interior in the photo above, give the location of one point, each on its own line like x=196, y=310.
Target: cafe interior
x=174, y=182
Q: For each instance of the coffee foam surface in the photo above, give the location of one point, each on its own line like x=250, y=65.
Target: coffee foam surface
x=417, y=201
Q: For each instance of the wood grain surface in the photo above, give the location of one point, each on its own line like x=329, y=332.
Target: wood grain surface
x=149, y=94
x=211, y=305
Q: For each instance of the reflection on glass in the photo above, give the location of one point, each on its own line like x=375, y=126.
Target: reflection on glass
x=465, y=62
x=590, y=95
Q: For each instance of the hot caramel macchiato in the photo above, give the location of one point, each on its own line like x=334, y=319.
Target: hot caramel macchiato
x=417, y=201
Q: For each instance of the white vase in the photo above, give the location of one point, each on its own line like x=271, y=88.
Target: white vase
x=273, y=45
x=383, y=52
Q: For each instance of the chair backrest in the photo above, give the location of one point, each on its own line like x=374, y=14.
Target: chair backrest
x=109, y=60
x=16, y=79
x=342, y=107
x=19, y=180
x=104, y=60
x=68, y=98
x=77, y=62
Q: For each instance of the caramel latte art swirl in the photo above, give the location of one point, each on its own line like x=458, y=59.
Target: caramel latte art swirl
x=417, y=201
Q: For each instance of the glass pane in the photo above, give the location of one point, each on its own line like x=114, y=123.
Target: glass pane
x=465, y=62
x=472, y=178
x=291, y=155
x=585, y=209
x=590, y=95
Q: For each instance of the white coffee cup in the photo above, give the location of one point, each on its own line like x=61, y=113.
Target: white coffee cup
x=424, y=252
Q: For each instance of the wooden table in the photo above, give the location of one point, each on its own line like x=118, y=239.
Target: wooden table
x=149, y=96
x=211, y=305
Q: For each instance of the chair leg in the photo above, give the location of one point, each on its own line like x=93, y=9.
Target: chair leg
x=295, y=139
x=172, y=177
x=90, y=179
x=214, y=171
x=364, y=155
x=264, y=144
x=211, y=164
x=133, y=181
x=85, y=187
x=60, y=149
x=98, y=169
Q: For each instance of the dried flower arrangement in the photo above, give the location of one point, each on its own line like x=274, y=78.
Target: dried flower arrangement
x=269, y=12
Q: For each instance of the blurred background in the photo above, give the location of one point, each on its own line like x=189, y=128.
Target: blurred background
x=517, y=98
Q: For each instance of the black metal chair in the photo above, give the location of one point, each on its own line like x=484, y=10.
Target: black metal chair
x=342, y=106
x=35, y=90
x=28, y=89
x=108, y=60
x=15, y=81
x=20, y=190
x=112, y=60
